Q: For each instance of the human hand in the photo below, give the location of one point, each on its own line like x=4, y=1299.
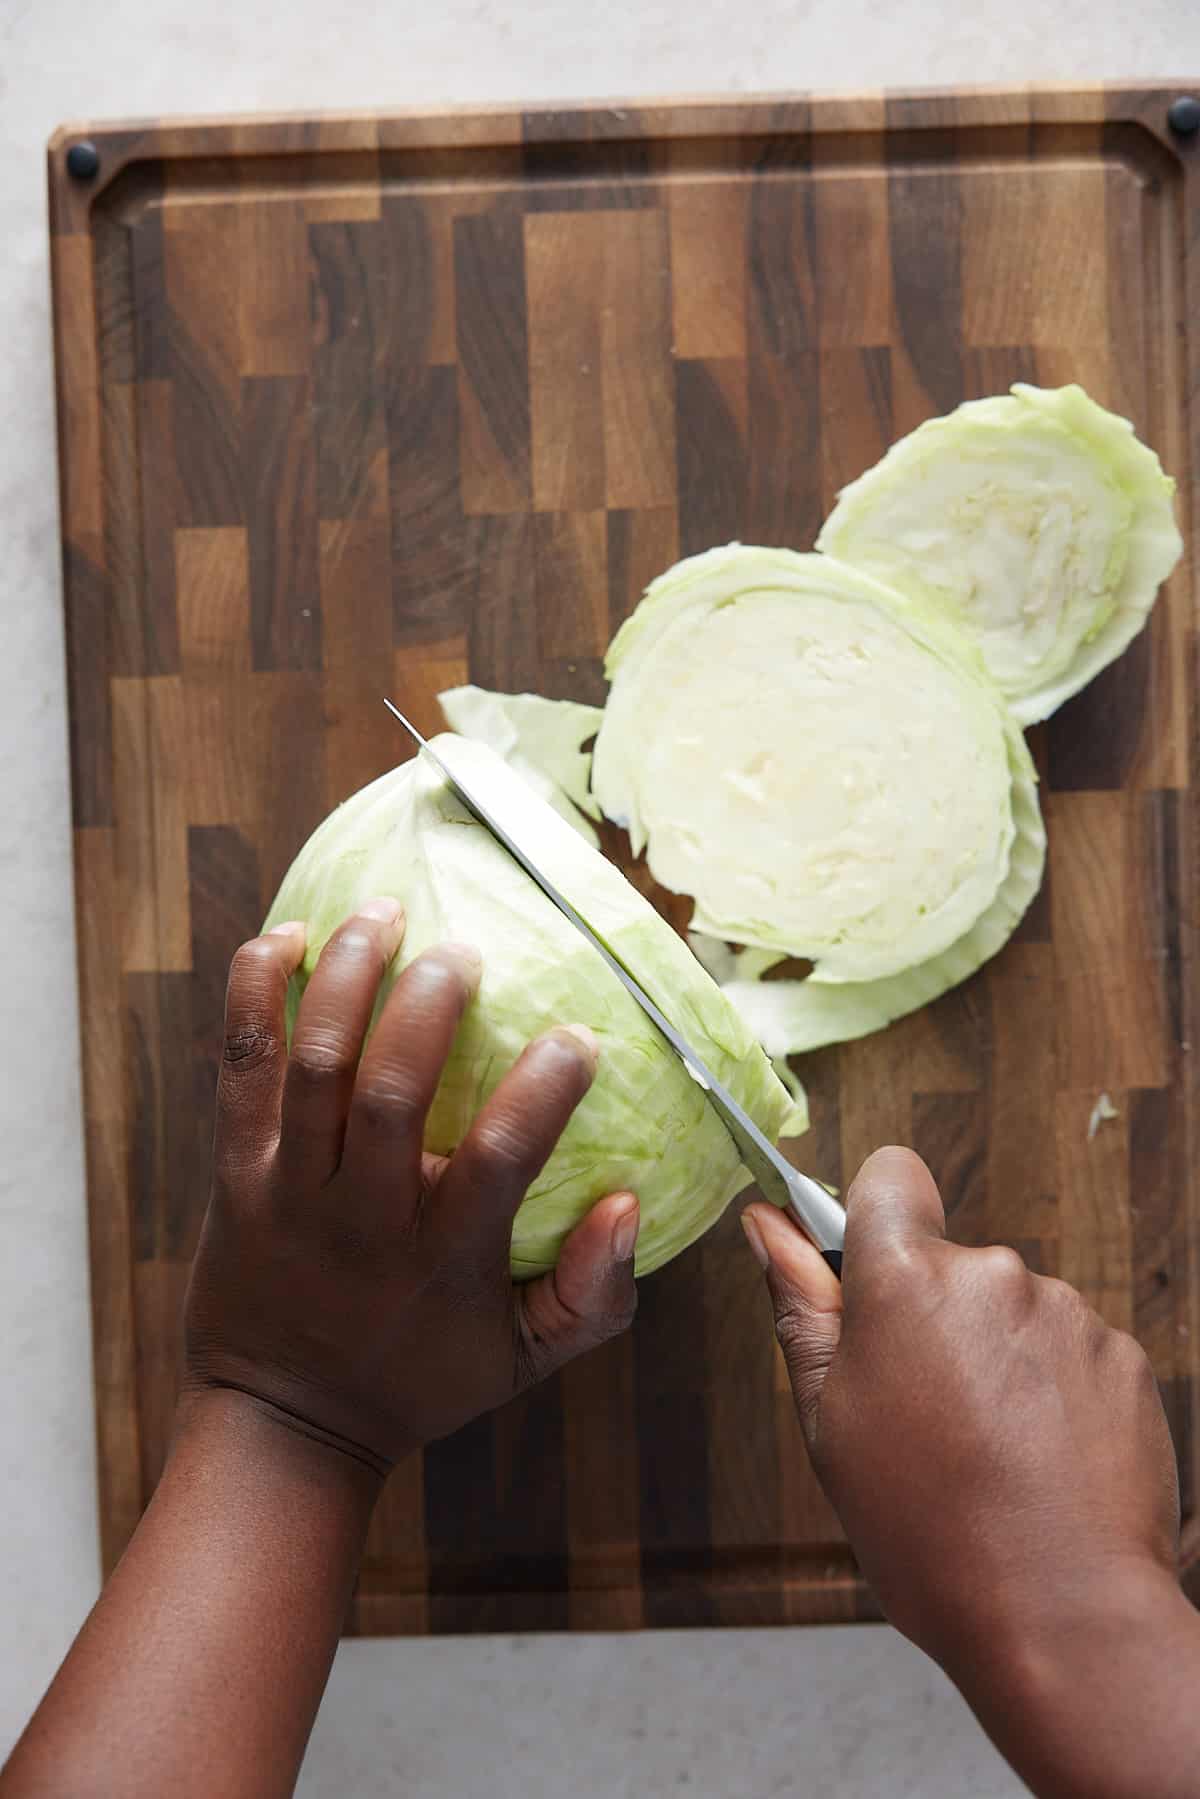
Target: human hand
x=344, y=1277
x=997, y=1455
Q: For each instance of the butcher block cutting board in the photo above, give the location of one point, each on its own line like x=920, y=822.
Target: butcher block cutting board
x=387, y=404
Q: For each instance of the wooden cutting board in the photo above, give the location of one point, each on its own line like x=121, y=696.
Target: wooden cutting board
x=393, y=403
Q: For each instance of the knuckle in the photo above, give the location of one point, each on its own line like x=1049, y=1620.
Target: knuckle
x=1004, y=1270
x=247, y=1046
x=384, y=1104
x=1005, y=1264
x=502, y=1144
x=539, y=1350
x=618, y=1317
x=317, y=1060
x=895, y=1276
x=1068, y=1299
x=805, y=1358
x=531, y=1359
x=1132, y=1362
x=242, y=1177
x=792, y=1332
x=600, y=1327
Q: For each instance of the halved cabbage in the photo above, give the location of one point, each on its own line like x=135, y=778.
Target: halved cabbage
x=645, y=1124
x=826, y=769
x=1036, y=520
x=539, y=739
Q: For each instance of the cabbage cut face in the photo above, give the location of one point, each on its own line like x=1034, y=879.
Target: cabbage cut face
x=1036, y=520
x=791, y=1017
x=823, y=767
x=645, y=1124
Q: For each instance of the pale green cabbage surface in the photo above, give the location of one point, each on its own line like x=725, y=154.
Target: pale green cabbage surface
x=824, y=767
x=645, y=1124
x=1036, y=520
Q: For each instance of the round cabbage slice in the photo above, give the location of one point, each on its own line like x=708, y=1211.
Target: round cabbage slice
x=826, y=770
x=1036, y=520
x=645, y=1124
x=791, y=1017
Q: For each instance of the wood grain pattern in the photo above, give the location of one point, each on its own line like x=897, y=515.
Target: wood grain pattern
x=602, y=1473
x=564, y=260
x=711, y=457
x=203, y=282
x=708, y=268
x=410, y=401
x=493, y=362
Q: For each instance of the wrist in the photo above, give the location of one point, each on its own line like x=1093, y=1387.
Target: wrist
x=1068, y=1685
x=1042, y=1638
x=212, y=1416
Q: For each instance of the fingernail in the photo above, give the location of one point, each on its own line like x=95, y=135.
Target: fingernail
x=585, y=1038
x=624, y=1236
x=289, y=929
x=386, y=910
x=754, y=1238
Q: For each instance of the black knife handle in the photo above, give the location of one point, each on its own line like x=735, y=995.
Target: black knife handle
x=834, y=1258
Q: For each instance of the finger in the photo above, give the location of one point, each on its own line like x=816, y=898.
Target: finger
x=254, y=1053
x=588, y=1297
x=333, y=1020
x=893, y=1208
x=401, y=1067
x=510, y=1142
x=807, y=1300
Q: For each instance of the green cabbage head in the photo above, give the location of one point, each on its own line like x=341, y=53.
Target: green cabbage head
x=645, y=1125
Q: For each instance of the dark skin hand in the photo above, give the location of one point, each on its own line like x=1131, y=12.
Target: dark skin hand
x=350, y=1300
x=998, y=1456
x=1001, y=1463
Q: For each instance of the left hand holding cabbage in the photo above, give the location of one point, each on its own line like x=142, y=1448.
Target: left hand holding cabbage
x=347, y=1280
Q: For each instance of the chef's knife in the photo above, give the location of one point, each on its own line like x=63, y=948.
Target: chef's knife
x=810, y=1204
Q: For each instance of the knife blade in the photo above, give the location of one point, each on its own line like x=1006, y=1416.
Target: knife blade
x=812, y=1206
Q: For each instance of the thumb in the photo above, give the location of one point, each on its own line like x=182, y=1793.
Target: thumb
x=586, y=1298
x=807, y=1299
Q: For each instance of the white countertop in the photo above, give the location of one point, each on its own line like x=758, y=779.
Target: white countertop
x=838, y=1713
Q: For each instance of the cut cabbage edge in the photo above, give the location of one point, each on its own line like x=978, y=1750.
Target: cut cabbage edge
x=540, y=740
x=1036, y=520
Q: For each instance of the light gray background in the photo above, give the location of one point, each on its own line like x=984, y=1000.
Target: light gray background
x=849, y=1712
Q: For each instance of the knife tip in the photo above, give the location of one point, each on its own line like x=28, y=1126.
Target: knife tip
x=409, y=727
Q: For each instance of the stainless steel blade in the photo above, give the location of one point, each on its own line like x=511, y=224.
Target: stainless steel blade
x=814, y=1208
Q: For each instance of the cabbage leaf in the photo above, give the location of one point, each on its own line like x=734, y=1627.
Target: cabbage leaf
x=540, y=740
